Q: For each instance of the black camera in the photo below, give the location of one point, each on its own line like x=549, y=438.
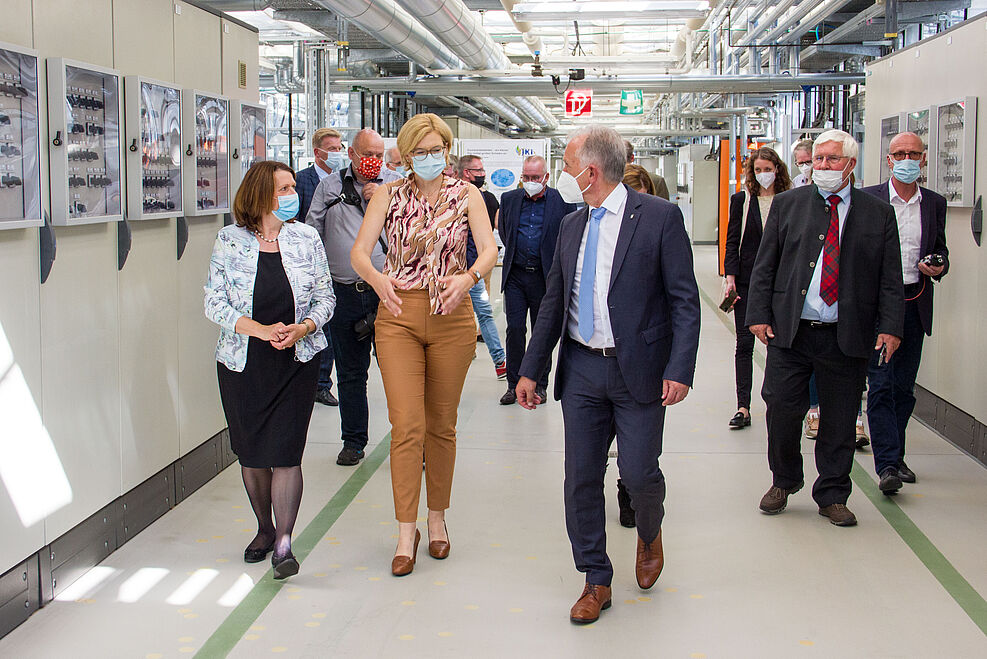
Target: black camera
x=933, y=260
x=364, y=328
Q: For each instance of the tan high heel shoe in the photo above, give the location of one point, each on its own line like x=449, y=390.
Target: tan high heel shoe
x=439, y=548
x=403, y=565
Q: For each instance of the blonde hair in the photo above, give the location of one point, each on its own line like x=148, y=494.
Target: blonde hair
x=637, y=177
x=322, y=134
x=415, y=130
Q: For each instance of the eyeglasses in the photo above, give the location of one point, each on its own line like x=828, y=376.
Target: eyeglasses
x=911, y=155
x=532, y=178
x=803, y=162
x=832, y=160
x=434, y=151
x=478, y=170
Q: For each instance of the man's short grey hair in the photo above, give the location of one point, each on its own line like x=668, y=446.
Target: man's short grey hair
x=850, y=147
x=393, y=154
x=802, y=145
x=603, y=147
x=465, y=163
x=538, y=160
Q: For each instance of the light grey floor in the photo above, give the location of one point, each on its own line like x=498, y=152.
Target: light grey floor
x=736, y=583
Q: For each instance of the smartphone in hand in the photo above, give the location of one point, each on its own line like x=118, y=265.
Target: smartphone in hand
x=729, y=300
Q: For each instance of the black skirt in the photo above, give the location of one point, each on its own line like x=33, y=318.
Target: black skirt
x=268, y=405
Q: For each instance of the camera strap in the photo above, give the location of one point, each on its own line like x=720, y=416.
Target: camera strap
x=350, y=196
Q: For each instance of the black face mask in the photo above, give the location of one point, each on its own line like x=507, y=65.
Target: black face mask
x=478, y=181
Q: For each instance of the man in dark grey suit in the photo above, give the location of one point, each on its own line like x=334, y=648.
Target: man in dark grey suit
x=621, y=295
x=827, y=273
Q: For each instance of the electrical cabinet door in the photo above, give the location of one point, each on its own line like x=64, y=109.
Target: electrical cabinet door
x=206, y=152
x=153, y=149
x=248, y=144
x=20, y=139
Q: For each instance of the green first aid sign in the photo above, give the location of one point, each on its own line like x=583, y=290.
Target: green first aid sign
x=632, y=101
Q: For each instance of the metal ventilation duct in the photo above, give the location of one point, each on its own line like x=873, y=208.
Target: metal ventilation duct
x=533, y=108
x=454, y=24
x=392, y=25
x=504, y=110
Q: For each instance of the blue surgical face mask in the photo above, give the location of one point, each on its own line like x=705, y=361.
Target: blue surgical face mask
x=906, y=171
x=336, y=160
x=401, y=171
x=287, y=207
x=428, y=166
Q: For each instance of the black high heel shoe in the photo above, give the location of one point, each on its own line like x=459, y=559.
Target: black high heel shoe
x=740, y=420
x=257, y=555
x=284, y=567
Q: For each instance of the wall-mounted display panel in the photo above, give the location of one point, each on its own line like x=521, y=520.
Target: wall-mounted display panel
x=917, y=122
x=20, y=141
x=85, y=107
x=890, y=126
x=249, y=144
x=954, y=136
x=205, y=130
x=154, y=149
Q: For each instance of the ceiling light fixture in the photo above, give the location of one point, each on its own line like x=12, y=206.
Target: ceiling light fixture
x=538, y=12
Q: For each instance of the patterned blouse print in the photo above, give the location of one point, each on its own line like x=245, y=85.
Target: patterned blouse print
x=425, y=244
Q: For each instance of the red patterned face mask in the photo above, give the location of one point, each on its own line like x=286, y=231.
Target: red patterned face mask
x=369, y=168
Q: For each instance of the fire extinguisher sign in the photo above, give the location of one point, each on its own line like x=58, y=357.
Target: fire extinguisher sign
x=579, y=103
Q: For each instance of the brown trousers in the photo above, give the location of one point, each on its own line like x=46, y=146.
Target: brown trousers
x=423, y=362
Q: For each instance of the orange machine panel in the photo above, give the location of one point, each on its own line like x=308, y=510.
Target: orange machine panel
x=726, y=190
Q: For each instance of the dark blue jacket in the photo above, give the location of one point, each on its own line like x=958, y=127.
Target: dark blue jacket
x=933, y=211
x=653, y=299
x=306, y=181
x=510, y=220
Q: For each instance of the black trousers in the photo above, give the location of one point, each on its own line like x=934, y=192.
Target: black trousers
x=840, y=380
x=743, y=357
x=523, y=292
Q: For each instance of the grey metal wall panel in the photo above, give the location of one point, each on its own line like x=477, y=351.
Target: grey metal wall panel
x=145, y=503
x=97, y=535
x=198, y=467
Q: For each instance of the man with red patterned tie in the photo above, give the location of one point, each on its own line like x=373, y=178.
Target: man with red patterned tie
x=828, y=272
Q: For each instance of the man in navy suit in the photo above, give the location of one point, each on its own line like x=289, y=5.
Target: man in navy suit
x=327, y=147
x=529, y=226
x=921, y=216
x=622, y=298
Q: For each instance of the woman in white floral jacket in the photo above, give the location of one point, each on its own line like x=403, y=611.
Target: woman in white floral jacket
x=270, y=292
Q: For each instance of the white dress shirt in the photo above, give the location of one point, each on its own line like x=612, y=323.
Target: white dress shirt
x=321, y=172
x=605, y=247
x=800, y=180
x=814, y=308
x=909, y=216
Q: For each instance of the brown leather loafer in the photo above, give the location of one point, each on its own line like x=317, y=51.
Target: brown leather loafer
x=587, y=608
x=403, y=565
x=650, y=561
x=839, y=515
x=439, y=548
x=775, y=500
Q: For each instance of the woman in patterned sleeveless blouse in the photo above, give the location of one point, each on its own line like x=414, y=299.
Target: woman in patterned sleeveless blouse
x=425, y=336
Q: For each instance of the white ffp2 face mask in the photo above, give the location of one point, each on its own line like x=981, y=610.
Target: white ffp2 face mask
x=805, y=168
x=533, y=188
x=569, y=188
x=829, y=180
x=765, y=179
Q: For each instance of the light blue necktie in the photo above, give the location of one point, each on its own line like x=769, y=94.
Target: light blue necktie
x=588, y=275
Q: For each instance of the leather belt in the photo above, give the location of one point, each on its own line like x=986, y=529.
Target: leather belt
x=817, y=324
x=359, y=286
x=531, y=268
x=603, y=352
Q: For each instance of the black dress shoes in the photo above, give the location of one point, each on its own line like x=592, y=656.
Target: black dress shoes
x=905, y=474
x=740, y=420
x=257, y=555
x=890, y=481
x=349, y=457
x=325, y=397
x=626, y=510
x=509, y=398
x=284, y=567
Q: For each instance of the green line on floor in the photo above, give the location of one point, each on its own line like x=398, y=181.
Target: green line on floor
x=231, y=630
x=948, y=576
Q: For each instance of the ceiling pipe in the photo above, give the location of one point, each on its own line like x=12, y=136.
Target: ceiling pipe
x=240, y=5
x=531, y=40
x=512, y=86
x=466, y=107
x=765, y=22
x=533, y=108
x=503, y=109
x=390, y=24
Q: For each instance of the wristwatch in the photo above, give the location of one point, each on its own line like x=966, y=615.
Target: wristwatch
x=476, y=275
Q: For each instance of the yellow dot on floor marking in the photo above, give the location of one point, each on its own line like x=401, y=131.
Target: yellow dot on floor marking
x=518, y=478
x=360, y=568
x=395, y=535
x=319, y=615
x=531, y=558
x=671, y=590
x=359, y=501
x=386, y=522
x=488, y=462
x=202, y=540
x=508, y=466
x=421, y=519
x=806, y=643
x=312, y=624
x=258, y=628
x=237, y=507
x=279, y=649
x=377, y=505
x=252, y=637
x=408, y=603
x=335, y=542
x=186, y=650
x=445, y=634
x=186, y=639
x=630, y=601
x=335, y=565
x=439, y=583
x=373, y=578
x=217, y=537
x=917, y=495
x=321, y=574
x=643, y=599
x=696, y=597
x=292, y=589
x=189, y=616
x=294, y=597
x=406, y=637
x=697, y=655
x=472, y=607
x=222, y=560
x=154, y=655
x=496, y=544
x=246, y=530
x=330, y=537
x=184, y=610
x=240, y=520
x=516, y=610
